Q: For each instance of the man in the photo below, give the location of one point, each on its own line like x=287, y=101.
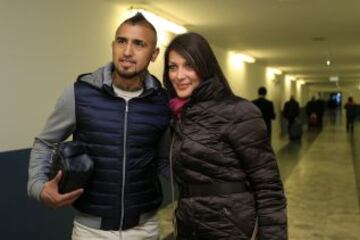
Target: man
x=266, y=107
x=291, y=112
x=312, y=112
x=320, y=106
x=120, y=113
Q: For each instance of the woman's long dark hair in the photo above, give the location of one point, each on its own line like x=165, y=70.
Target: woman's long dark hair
x=198, y=54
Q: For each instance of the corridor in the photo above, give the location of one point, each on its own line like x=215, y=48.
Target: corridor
x=323, y=188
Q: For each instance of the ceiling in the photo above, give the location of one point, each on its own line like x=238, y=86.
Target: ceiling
x=296, y=36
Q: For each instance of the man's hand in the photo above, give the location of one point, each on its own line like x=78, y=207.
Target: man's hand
x=51, y=196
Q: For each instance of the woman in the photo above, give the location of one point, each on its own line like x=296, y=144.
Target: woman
x=223, y=163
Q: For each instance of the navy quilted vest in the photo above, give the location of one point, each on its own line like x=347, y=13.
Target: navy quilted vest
x=122, y=140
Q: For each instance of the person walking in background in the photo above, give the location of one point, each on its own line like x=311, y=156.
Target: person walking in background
x=291, y=112
x=312, y=113
x=266, y=107
x=320, y=107
x=333, y=108
x=351, y=112
x=228, y=178
x=119, y=113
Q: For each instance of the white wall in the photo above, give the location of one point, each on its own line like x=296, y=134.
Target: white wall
x=246, y=78
x=46, y=44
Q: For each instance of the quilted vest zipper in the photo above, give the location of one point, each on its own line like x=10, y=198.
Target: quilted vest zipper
x=124, y=165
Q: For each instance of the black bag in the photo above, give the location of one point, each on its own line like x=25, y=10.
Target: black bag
x=75, y=164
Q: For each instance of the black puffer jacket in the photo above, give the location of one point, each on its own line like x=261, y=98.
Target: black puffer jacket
x=223, y=139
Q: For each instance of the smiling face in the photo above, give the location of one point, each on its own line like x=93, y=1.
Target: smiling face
x=183, y=77
x=133, y=49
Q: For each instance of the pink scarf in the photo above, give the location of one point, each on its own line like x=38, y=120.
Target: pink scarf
x=176, y=105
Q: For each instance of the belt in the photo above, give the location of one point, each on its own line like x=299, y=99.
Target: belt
x=201, y=190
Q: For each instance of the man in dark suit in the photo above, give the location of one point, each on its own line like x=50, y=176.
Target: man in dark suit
x=291, y=112
x=266, y=107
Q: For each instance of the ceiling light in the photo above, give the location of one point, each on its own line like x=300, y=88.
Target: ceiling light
x=243, y=58
x=328, y=62
x=275, y=71
x=158, y=21
x=301, y=82
x=290, y=78
x=334, y=78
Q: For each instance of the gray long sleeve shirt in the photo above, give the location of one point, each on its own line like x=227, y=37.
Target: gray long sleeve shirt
x=59, y=126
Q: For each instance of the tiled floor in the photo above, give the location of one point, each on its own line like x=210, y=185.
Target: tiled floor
x=322, y=192
x=321, y=174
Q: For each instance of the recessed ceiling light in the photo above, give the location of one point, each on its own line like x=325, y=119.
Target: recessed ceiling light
x=158, y=21
x=334, y=78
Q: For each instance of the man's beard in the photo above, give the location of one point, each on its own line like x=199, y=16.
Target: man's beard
x=129, y=74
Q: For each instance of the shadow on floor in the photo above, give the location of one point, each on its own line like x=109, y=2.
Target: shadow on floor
x=355, y=151
x=291, y=153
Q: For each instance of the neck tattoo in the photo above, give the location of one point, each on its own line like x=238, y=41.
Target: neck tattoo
x=129, y=85
x=130, y=88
